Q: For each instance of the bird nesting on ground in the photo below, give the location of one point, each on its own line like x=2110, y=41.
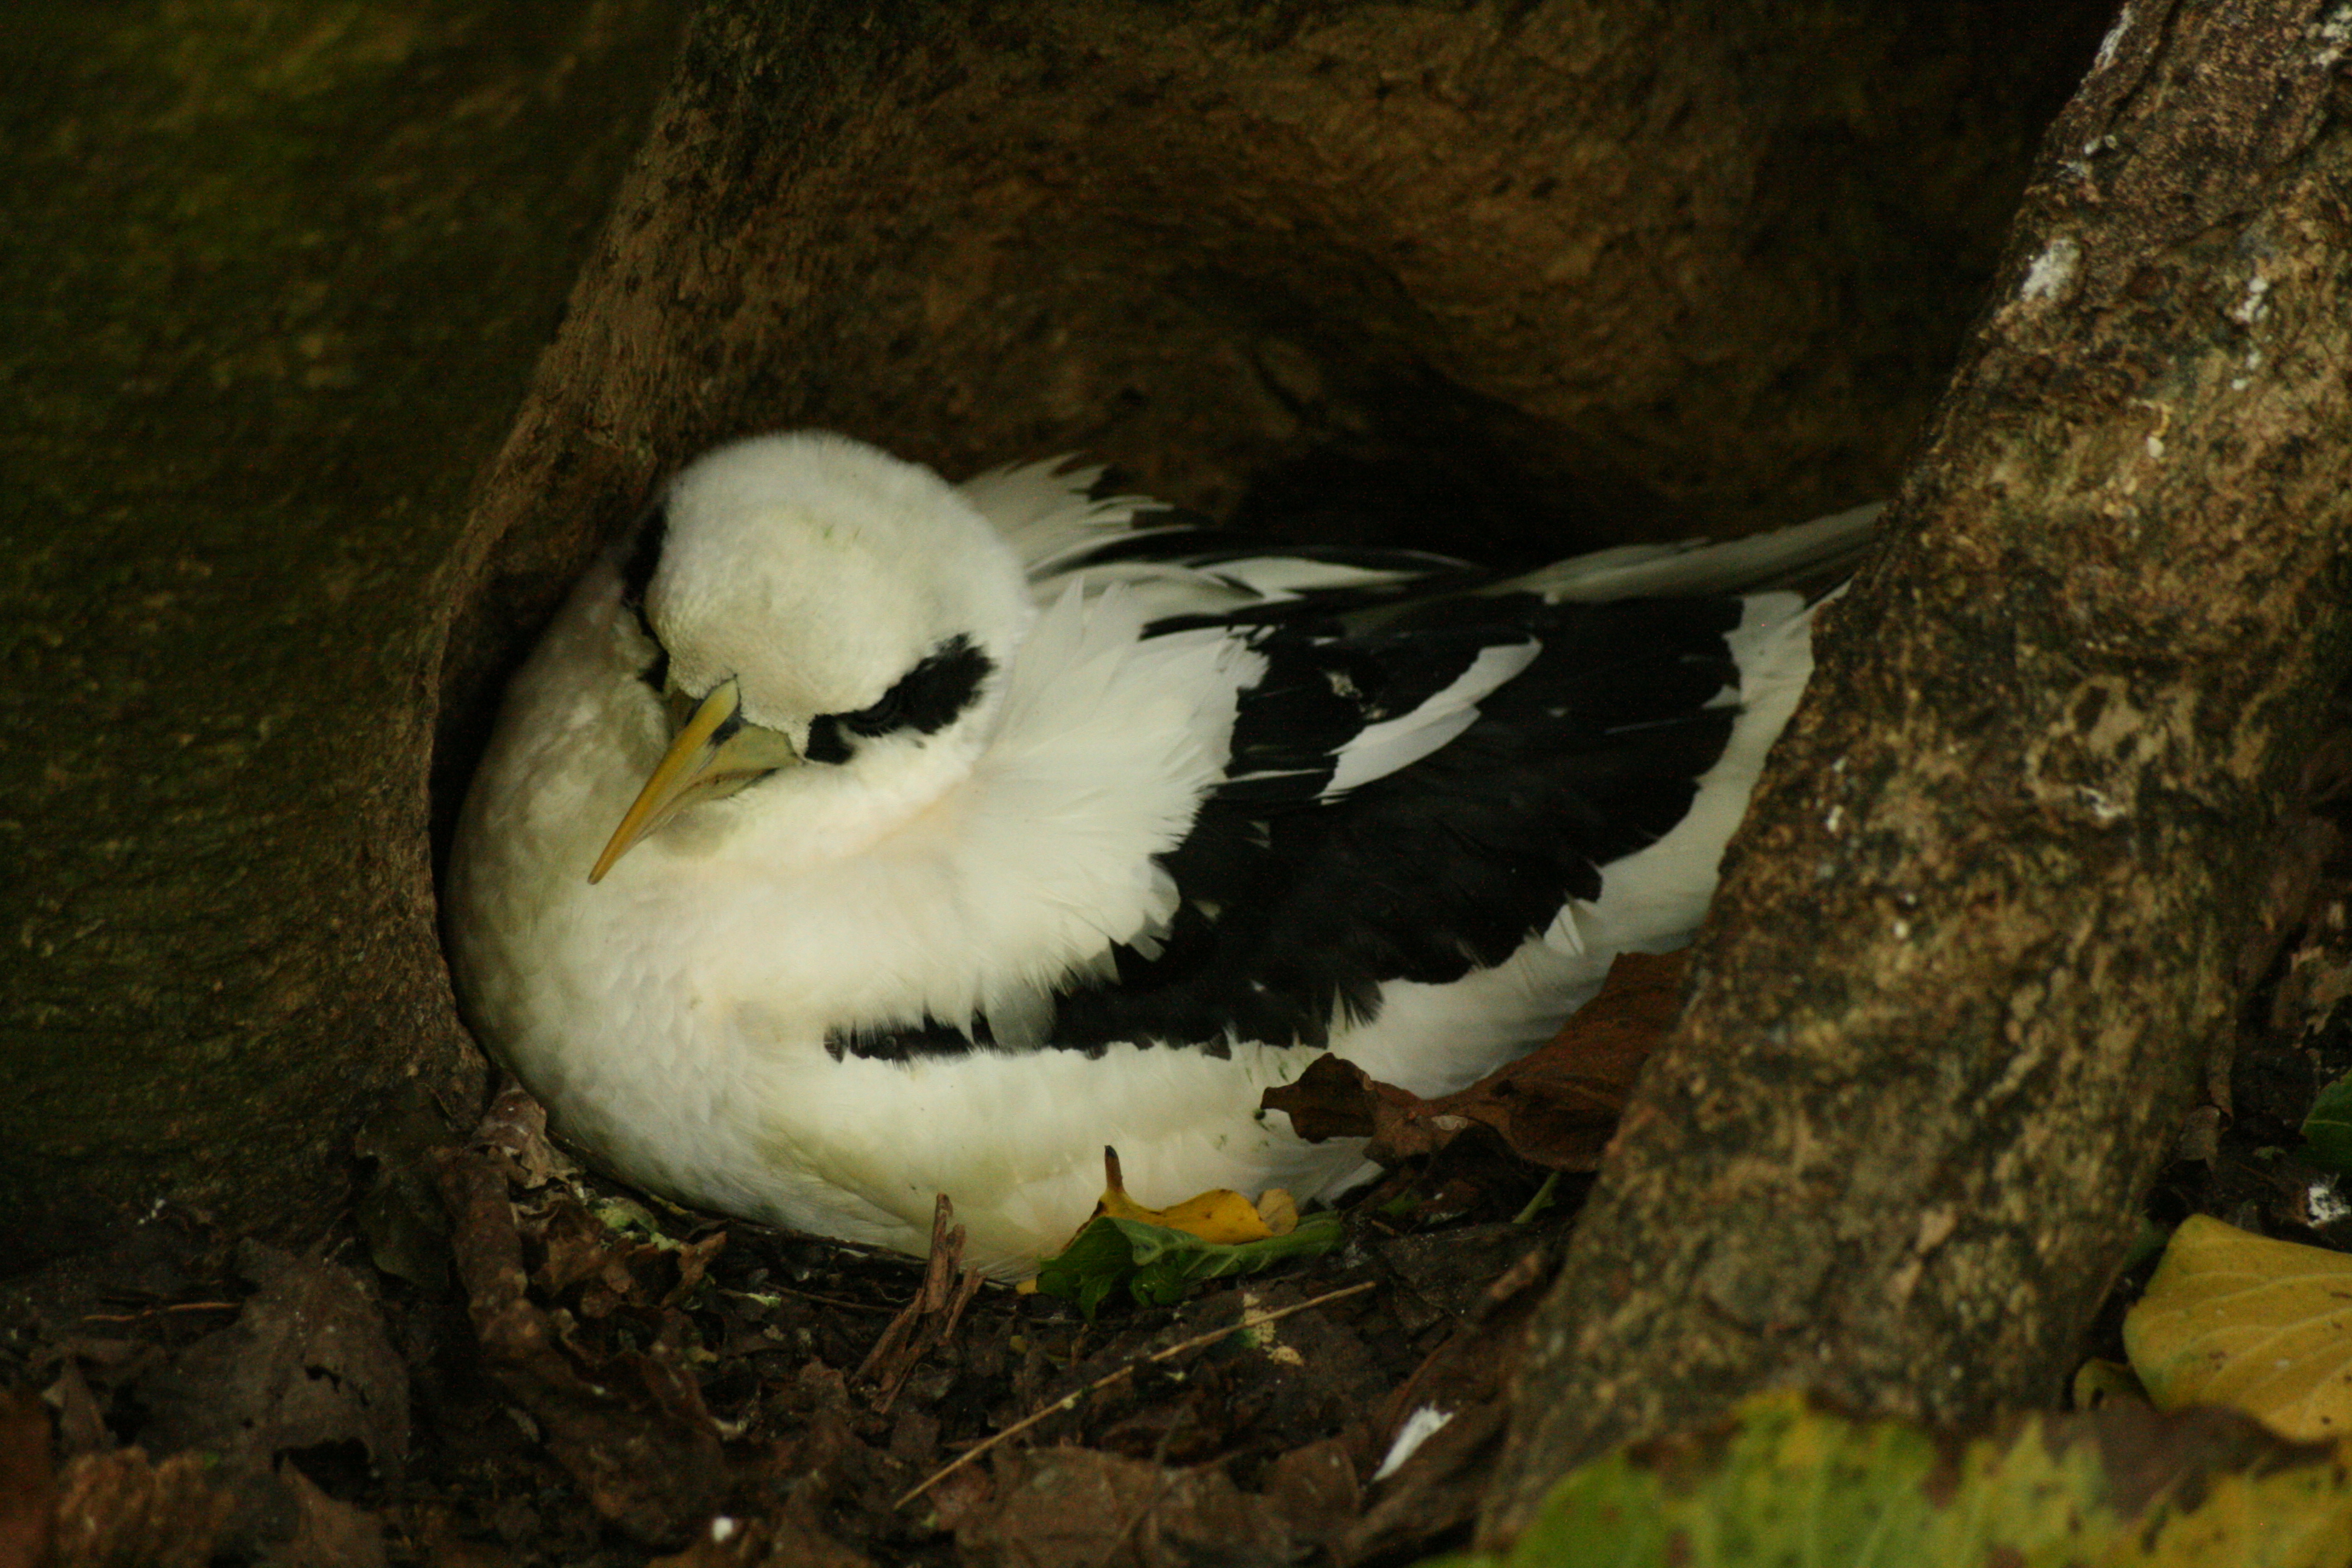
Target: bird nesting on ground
x=853, y=837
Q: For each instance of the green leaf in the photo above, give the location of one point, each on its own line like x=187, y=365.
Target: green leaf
x=1793, y=1486
x=1158, y=1266
x=2329, y=1129
x=1090, y=1269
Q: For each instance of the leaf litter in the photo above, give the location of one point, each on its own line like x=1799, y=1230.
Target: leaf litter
x=1556, y=1107
x=501, y=1361
x=597, y=1378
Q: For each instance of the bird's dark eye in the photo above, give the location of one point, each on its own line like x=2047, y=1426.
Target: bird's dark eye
x=637, y=576
x=880, y=717
x=656, y=674
x=645, y=554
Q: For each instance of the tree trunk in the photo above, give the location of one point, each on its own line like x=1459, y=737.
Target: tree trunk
x=275, y=278
x=1983, y=926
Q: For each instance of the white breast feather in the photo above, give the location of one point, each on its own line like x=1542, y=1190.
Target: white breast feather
x=1111, y=740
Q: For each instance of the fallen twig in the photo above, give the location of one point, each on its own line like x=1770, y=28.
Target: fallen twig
x=927, y=1320
x=1070, y=1400
x=145, y=1313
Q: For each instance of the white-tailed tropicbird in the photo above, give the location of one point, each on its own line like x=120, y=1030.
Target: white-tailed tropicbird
x=853, y=837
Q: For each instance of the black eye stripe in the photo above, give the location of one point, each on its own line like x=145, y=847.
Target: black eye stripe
x=825, y=741
x=926, y=699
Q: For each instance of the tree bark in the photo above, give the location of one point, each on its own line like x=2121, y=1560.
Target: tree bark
x=274, y=279
x=1982, y=928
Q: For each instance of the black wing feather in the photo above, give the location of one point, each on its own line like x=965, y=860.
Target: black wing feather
x=1296, y=913
x=1295, y=909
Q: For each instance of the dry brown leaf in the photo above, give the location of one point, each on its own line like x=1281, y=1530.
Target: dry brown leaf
x=1556, y=1107
x=629, y=1424
x=307, y=1363
x=781, y=1540
x=931, y=1317
x=1077, y=1508
x=327, y=1533
x=117, y=1510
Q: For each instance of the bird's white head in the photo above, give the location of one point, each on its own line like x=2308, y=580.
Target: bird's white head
x=814, y=603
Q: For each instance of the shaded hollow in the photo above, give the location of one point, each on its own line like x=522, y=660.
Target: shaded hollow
x=1509, y=282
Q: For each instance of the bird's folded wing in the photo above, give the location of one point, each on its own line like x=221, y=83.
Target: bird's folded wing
x=1412, y=766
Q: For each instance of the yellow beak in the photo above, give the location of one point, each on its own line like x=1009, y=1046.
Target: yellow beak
x=714, y=754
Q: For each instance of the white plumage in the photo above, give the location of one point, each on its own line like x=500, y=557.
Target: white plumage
x=993, y=825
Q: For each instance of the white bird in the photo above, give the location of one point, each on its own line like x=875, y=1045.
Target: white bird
x=853, y=837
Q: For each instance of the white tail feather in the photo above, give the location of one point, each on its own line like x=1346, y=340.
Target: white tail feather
x=1695, y=566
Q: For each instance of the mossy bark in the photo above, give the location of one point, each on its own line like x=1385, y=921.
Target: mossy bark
x=275, y=275
x=1983, y=927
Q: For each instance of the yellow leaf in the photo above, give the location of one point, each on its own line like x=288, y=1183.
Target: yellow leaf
x=1279, y=1210
x=2293, y=1517
x=2237, y=1318
x=1220, y=1215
